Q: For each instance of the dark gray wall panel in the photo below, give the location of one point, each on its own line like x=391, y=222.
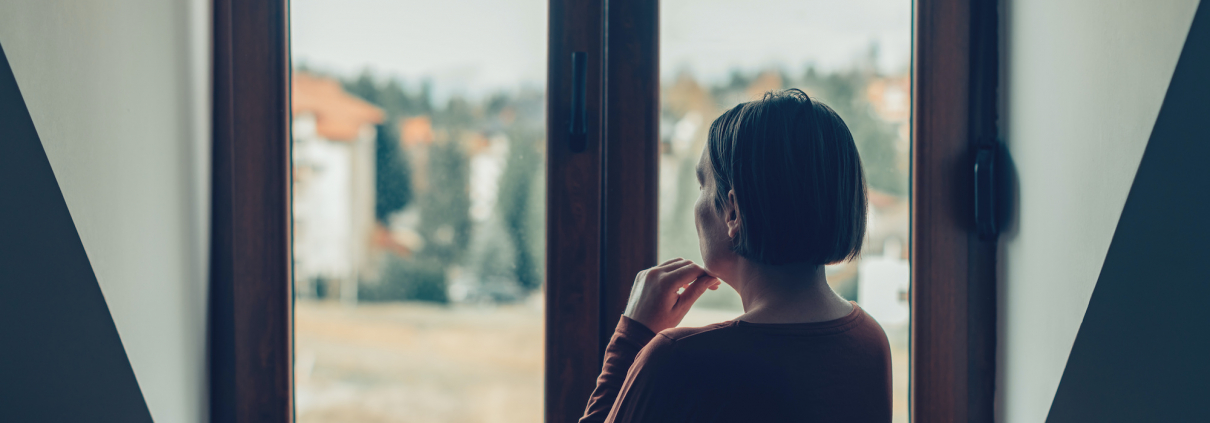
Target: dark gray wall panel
x=61, y=359
x=1143, y=349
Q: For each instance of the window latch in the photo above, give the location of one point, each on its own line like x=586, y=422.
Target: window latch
x=987, y=189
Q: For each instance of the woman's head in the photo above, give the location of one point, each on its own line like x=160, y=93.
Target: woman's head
x=781, y=184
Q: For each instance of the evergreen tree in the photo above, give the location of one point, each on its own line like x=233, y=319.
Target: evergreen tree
x=392, y=177
x=513, y=203
x=445, y=221
x=393, y=182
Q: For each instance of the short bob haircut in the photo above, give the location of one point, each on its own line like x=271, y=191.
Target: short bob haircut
x=799, y=188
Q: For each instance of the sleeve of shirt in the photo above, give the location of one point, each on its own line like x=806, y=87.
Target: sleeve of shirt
x=628, y=339
x=650, y=392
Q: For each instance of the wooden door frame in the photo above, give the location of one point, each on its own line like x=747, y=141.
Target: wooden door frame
x=601, y=224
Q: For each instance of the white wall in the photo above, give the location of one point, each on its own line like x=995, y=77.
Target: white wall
x=1082, y=84
x=119, y=93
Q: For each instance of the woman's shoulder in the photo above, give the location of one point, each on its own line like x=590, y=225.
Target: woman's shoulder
x=678, y=346
x=682, y=333
x=690, y=341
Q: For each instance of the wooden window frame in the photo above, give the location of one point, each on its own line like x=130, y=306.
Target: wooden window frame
x=251, y=298
x=573, y=212
x=954, y=84
x=591, y=266
x=601, y=224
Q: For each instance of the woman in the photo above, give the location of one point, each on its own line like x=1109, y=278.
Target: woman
x=782, y=194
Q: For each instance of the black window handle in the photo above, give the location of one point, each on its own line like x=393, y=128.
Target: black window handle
x=985, y=192
x=994, y=179
x=578, y=122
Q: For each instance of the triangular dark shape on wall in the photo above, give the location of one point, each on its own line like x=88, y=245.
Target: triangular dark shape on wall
x=61, y=359
x=1143, y=349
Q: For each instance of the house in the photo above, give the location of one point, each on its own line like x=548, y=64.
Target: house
x=333, y=196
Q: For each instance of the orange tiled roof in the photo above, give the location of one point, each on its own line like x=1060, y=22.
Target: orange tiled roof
x=338, y=114
x=415, y=131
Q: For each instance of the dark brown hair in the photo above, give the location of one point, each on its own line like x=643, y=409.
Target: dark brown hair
x=799, y=188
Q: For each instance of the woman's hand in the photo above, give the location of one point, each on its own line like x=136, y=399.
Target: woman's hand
x=654, y=299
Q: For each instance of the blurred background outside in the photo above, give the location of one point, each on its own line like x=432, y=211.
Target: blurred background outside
x=419, y=184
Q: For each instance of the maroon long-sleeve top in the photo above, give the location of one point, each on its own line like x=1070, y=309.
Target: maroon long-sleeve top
x=735, y=371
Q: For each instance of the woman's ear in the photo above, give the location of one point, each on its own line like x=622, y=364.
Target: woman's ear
x=732, y=217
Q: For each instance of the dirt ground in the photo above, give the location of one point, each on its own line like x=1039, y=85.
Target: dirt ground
x=411, y=362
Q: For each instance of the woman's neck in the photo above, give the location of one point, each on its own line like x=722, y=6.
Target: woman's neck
x=793, y=293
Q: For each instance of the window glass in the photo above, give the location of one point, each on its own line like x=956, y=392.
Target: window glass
x=418, y=201
x=852, y=55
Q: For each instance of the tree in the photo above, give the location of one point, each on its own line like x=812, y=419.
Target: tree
x=513, y=203
x=392, y=177
x=445, y=221
x=393, y=182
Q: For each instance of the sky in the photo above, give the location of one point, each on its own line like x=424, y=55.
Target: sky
x=475, y=46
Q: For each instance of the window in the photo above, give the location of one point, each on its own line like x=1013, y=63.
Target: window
x=588, y=266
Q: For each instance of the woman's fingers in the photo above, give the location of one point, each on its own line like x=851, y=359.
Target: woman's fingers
x=695, y=290
x=672, y=265
x=654, y=297
x=681, y=276
x=662, y=272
